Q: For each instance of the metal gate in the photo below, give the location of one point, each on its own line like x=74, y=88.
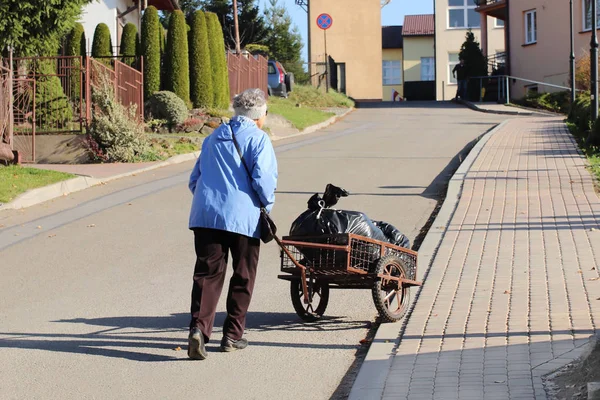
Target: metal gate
x=6, y=135
x=24, y=118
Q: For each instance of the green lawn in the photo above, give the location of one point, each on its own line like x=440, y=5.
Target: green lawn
x=307, y=105
x=15, y=180
x=300, y=117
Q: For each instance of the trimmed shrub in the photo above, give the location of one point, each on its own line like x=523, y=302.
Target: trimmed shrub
x=115, y=133
x=168, y=106
x=75, y=42
x=200, y=70
x=129, y=45
x=52, y=107
x=102, y=44
x=151, y=50
x=218, y=62
x=177, y=61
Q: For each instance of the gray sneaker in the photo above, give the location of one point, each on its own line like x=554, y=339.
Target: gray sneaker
x=228, y=345
x=196, y=349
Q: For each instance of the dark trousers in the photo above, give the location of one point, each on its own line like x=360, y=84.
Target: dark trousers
x=212, y=251
x=461, y=90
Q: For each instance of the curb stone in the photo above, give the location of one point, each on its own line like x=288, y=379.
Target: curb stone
x=475, y=107
x=45, y=193
x=372, y=376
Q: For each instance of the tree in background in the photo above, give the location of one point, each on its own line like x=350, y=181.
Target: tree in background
x=475, y=63
x=36, y=27
x=177, y=59
x=284, y=40
x=151, y=50
x=218, y=62
x=201, y=90
x=251, y=24
x=76, y=47
x=129, y=44
x=102, y=44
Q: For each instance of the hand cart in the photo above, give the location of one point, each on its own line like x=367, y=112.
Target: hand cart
x=313, y=265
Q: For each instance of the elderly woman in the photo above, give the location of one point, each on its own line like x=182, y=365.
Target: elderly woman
x=225, y=218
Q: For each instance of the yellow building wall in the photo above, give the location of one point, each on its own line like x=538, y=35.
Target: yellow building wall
x=449, y=40
x=415, y=48
x=354, y=39
x=392, y=55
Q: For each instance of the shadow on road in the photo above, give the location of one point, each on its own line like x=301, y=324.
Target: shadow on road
x=143, y=338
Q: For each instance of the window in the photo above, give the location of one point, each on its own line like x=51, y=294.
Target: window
x=392, y=72
x=272, y=69
x=462, y=14
x=587, y=14
x=427, y=69
x=530, y=27
x=452, y=61
x=498, y=23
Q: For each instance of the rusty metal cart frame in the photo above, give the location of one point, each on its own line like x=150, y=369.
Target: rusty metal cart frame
x=313, y=265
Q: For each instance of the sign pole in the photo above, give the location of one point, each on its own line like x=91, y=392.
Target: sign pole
x=326, y=62
x=324, y=21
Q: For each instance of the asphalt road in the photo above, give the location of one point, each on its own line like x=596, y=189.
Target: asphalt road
x=95, y=286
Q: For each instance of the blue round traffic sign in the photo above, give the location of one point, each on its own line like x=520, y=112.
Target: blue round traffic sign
x=324, y=21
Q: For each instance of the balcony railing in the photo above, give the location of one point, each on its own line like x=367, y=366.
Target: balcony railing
x=481, y=3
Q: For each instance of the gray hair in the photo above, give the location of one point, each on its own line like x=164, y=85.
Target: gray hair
x=250, y=103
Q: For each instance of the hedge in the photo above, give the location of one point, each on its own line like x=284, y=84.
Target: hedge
x=102, y=44
x=151, y=50
x=201, y=89
x=218, y=62
x=129, y=46
x=177, y=60
x=76, y=47
x=580, y=113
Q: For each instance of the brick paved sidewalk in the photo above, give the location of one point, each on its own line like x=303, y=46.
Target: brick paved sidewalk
x=513, y=292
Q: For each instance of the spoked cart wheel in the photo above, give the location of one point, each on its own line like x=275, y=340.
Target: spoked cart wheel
x=391, y=298
x=318, y=296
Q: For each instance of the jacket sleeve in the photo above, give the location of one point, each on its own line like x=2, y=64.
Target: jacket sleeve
x=264, y=172
x=195, y=175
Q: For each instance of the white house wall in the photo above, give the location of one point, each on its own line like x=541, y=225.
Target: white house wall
x=106, y=11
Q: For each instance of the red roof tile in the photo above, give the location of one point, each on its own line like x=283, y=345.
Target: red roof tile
x=418, y=25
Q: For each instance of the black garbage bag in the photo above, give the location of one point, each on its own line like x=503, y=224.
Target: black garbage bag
x=319, y=219
x=327, y=221
x=393, y=235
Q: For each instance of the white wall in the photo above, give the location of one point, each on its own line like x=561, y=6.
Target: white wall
x=106, y=11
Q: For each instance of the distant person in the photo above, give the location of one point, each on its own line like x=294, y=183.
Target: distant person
x=460, y=73
x=225, y=218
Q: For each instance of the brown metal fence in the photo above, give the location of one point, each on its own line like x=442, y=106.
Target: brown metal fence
x=128, y=83
x=58, y=95
x=52, y=95
x=246, y=72
x=6, y=127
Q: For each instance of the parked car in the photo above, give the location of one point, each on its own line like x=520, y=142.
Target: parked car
x=280, y=82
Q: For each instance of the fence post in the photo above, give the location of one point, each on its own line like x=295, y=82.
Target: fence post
x=11, y=99
x=507, y=100
x=480, y=87
x=142, y=88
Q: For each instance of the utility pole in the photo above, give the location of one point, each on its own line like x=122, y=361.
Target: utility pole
x=238, y=50
x=572, y=55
